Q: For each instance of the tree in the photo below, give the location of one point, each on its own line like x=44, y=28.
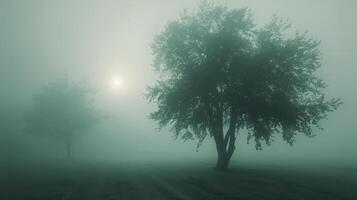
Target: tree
x=11, y=143
x=61, y=110
x=219, y=73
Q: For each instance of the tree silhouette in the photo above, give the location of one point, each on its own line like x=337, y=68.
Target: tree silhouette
x=219, y=73
x=61, y=110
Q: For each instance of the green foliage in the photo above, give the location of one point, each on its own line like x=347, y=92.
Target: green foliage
x=61, y=109
x=216, y=66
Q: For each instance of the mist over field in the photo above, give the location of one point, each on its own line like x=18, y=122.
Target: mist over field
x=106, y=47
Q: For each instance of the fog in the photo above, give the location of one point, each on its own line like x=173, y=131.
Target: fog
x=97, y=42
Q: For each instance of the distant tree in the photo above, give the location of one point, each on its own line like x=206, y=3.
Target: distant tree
x=219, y=73
x=61, y=110
x=11, y=142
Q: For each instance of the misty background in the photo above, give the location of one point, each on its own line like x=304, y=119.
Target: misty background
x=92, y=41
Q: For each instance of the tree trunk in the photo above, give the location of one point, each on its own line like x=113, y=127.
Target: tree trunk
x=224, y=156
x=222, y=162
x=225, y=144
x=69, y=148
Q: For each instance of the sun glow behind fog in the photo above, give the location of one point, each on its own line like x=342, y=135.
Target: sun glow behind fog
x=116, y=83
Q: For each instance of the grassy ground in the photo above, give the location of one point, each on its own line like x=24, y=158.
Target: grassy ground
x=174, y=181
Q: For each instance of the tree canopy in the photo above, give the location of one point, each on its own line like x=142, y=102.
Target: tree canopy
x=220, y=73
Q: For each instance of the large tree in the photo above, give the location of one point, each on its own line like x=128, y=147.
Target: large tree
x=61, y=110
x=219, y=73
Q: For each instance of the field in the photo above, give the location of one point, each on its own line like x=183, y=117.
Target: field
x=94, y=181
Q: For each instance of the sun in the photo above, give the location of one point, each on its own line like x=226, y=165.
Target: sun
x=116, y=82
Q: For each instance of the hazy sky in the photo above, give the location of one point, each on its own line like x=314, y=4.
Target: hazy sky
x=94, y=41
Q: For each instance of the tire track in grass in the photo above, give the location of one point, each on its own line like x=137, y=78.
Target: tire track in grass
x=167, y=188
x=177, y=188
